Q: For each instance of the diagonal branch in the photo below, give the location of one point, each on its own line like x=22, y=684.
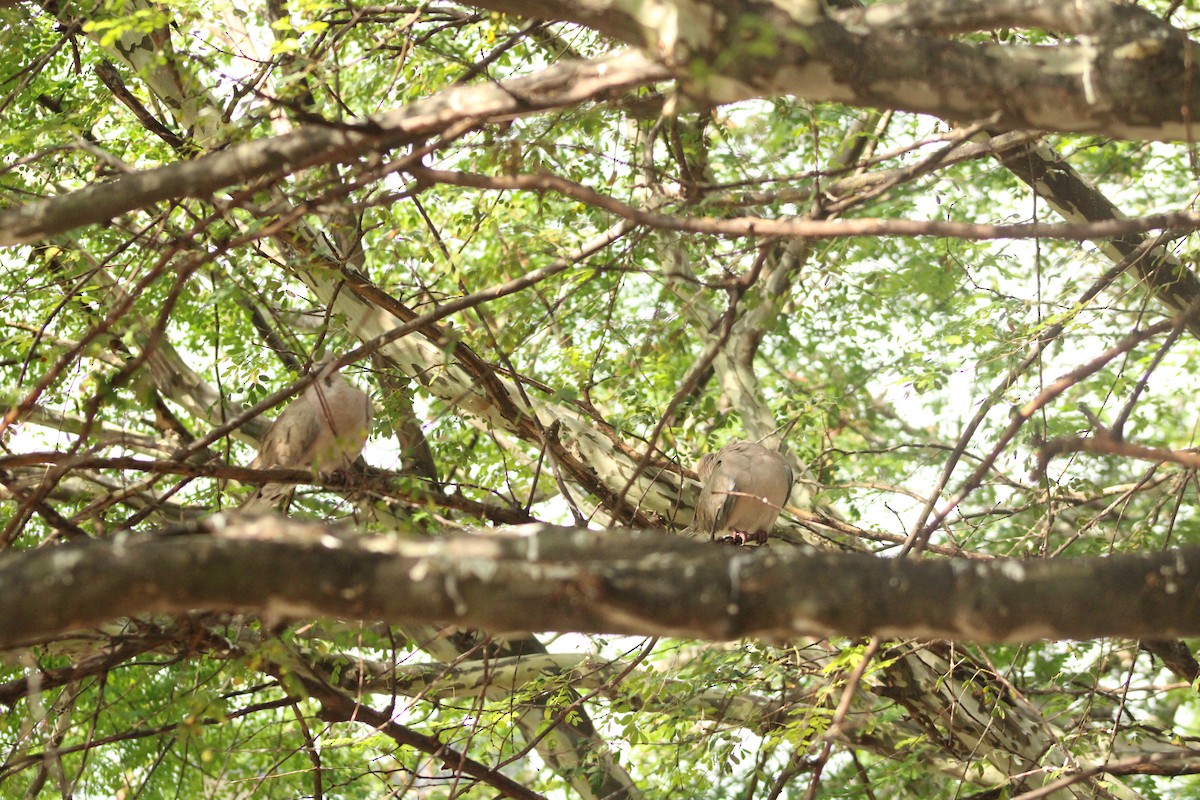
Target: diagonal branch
x=561, y=85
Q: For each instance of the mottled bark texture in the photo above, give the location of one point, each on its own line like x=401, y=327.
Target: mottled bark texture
x=633, y=582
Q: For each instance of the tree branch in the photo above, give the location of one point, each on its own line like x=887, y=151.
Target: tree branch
x=632, y=582
x=726, y=52
x=563, y=84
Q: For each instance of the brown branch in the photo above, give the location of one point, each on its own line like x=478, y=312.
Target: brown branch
x=11, y=692
x=802, y=228
x=561, y=85
x=1022, y=415
x=621, y=582
x=29, y=759
x=1106, y=445
x=108, y=74
x=376, y=481
x=340, y=707
x=1048, y=174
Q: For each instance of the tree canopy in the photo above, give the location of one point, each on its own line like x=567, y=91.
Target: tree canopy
x=938, y=253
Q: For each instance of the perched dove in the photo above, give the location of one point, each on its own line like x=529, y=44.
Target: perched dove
x=323, y=430
x=744, y=486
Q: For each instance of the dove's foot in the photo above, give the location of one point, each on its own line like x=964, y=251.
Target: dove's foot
x=740, y=538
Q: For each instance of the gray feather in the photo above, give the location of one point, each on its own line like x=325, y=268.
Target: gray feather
x=322, y=430
x=744, y=487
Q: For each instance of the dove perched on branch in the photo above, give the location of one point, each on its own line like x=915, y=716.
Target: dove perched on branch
x=323, y=430
x=744, y=487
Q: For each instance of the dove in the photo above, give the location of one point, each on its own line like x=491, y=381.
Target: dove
x=322, y=430
x=744, y=487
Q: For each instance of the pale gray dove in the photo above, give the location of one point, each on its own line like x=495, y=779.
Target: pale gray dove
x=322, y=430
x=744, y=487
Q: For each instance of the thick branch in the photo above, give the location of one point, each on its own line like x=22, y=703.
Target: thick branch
x=881, y=58
x=618, y=581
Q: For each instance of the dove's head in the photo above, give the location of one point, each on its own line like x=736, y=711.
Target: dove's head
x=323, y=368
x=324, y=361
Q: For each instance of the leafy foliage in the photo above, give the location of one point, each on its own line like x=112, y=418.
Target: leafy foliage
x=867, y=355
